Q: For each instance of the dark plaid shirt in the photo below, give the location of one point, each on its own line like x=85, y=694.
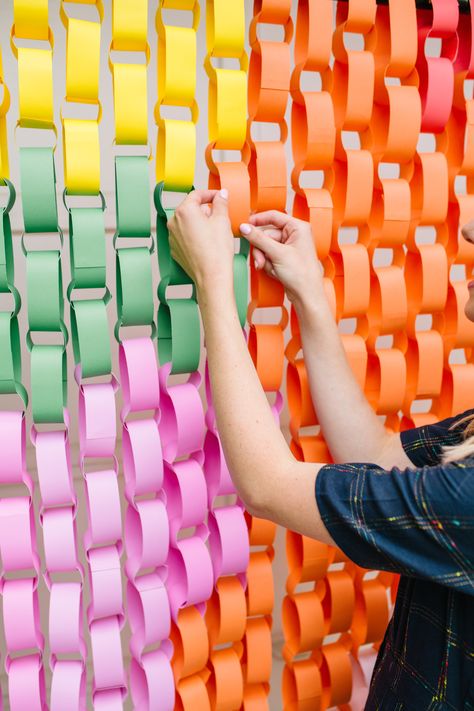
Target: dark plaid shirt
x=418, y=522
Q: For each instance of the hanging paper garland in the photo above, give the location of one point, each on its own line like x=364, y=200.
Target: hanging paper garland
x=146, y=522
x=92, y=355
x=190, y=578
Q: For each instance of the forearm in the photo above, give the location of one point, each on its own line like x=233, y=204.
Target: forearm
x=352, y=430
x=253, y=445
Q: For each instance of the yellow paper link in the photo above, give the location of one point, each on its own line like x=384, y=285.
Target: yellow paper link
x=82, y=61
x=4, y=106
x=225, y=28
x=179, y=4
x=130, y=25
x=176, y=154
x=177, y=66
x=130, y=103
x=228, y=109
x=30, y=19
x=35, y=87
x=81, y=156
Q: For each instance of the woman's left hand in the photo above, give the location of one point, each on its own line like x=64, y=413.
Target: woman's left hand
x=201, y=239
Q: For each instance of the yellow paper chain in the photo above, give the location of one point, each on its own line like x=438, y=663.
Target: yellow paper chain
x=225, y=33
x=81, y=136
x=176, y=150
x=129, y=33
x=4, y=106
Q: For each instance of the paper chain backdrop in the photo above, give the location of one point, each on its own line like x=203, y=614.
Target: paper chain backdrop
x=196, y=610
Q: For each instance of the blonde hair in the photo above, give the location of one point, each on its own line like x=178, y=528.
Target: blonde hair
x=465, y=448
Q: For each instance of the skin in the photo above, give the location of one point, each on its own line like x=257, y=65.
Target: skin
x=268, y=478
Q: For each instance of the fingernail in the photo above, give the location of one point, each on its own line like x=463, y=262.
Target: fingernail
x=245, y=228
x=224, y=193
x=255, y=263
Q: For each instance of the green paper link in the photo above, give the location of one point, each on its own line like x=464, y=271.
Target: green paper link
x=38, y=187
x=241, y=286
x=134, y=287
x=10, y=358
x=102, y=207
x=179, y=335
x=179, y=331
x=7, y=273
x=132, y=190
x=87, y=248
x=48, y=383
x=90, y=337
x=170, y=271
x=45, y=291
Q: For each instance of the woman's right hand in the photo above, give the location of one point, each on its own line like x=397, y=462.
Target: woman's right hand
x=283, y=247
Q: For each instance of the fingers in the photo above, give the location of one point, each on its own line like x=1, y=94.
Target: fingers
x=271, y=217
x=467, y=231
x=270, y=247
x=258, y=258
x=220, y=207
x=199, y=197
x=268, y=268
x=204, y=201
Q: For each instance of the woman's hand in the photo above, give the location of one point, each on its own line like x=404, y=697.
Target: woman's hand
x=283, y=248
x=201, y=239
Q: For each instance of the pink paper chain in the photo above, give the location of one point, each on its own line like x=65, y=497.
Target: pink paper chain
x=19, y=555
x=146, y=530
x=190, y=570
x=103, y=543
x=58, y=520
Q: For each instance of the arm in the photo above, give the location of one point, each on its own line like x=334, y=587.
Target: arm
x=270, y=481
x=352, y=430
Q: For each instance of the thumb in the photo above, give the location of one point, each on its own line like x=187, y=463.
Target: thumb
x=270, y=247
x=220, y=203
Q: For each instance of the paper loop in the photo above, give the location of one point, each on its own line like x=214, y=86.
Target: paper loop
x=190, y=642
x=21, y=615
x=437, y=73
x=142, y=458
x=226, y=611
x=149, y=614
x=152, y=683
x=190, y=575
x=228, y=541
x=186, y=496
x=26, y=686
x=182, y=417
x=225, y=684
x=147, y=528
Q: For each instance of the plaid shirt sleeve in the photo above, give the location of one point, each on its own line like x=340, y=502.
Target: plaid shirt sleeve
x=418, y=522
x=423, y=445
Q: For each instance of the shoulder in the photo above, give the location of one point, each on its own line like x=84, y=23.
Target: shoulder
x=424, y=445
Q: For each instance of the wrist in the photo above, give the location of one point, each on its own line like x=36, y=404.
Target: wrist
x=215, y=293
x=311, y=302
